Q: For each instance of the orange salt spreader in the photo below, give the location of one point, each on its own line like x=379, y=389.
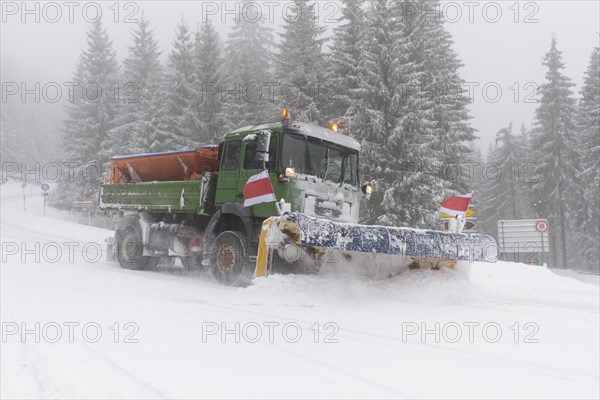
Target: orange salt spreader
x=183, y=165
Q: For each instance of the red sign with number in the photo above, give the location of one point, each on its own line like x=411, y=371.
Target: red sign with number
x=541, y=226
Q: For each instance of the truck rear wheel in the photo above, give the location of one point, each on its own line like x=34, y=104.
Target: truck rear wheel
x=229, y=259
x=130, y=248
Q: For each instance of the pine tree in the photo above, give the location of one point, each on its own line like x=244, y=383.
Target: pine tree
x=503, y=195
x=35, y=137
x=416, y=194
x=91, y=114
x=141, y=87
x=344, y=61
x=25, y=139
x=553, y=146
x=410, y=113
x=432, y=107
x=588, y=143
x=300, y=62
x=474, y=171
x=182, y=123
x=249, y=61
x=524, y=174
x=12, y=146
x=209, y=106
x=370, y=115
x=509, y=157
x=474, y=167
x=487, y=213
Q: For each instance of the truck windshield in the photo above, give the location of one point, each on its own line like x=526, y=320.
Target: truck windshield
x=320, y=159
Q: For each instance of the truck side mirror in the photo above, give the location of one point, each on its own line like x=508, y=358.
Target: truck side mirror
x=262, y=148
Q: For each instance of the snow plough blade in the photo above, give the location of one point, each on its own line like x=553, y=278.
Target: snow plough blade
x=339, y=242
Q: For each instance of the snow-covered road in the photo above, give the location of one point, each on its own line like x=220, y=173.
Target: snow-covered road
x=75, y=326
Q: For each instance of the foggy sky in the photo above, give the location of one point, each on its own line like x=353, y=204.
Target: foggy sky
x=497, y=54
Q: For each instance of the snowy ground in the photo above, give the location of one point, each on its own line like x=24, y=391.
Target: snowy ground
x=158, y=334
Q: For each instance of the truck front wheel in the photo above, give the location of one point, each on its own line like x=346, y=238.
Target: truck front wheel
x=229, y=259
x=130, y=247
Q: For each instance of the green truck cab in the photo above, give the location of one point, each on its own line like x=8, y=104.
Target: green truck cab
x=313, y=170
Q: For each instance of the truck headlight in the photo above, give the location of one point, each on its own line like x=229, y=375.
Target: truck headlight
x=290, y=171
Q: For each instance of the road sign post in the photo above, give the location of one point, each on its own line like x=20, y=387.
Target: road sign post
x=23, y=185
x=45, y=187
x=542, y=227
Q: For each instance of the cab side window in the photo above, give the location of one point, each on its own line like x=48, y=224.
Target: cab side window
x=250, y=161
x=231, y=157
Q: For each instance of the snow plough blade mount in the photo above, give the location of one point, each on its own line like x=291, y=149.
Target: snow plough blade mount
x=330, y=241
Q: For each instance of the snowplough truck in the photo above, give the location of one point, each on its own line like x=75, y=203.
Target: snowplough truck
x=190, y=204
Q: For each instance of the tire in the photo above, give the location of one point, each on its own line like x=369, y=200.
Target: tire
x=192, y=262
x=130, y=248
x=229, y=259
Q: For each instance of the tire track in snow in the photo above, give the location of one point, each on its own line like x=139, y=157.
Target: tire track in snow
x=436, y=350
x=340, y=371
x=117, y=372
x=41, y=235
x=9, y=367
x=515, y=300
x=103, y=376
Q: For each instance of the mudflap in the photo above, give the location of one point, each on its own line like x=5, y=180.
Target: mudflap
x=111, y=249
x=378, y=250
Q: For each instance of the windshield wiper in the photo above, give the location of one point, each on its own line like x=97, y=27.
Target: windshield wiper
x=326, y=163
x=344, y=165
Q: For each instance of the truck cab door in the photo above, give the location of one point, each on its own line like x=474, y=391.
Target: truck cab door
x=227, y=184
